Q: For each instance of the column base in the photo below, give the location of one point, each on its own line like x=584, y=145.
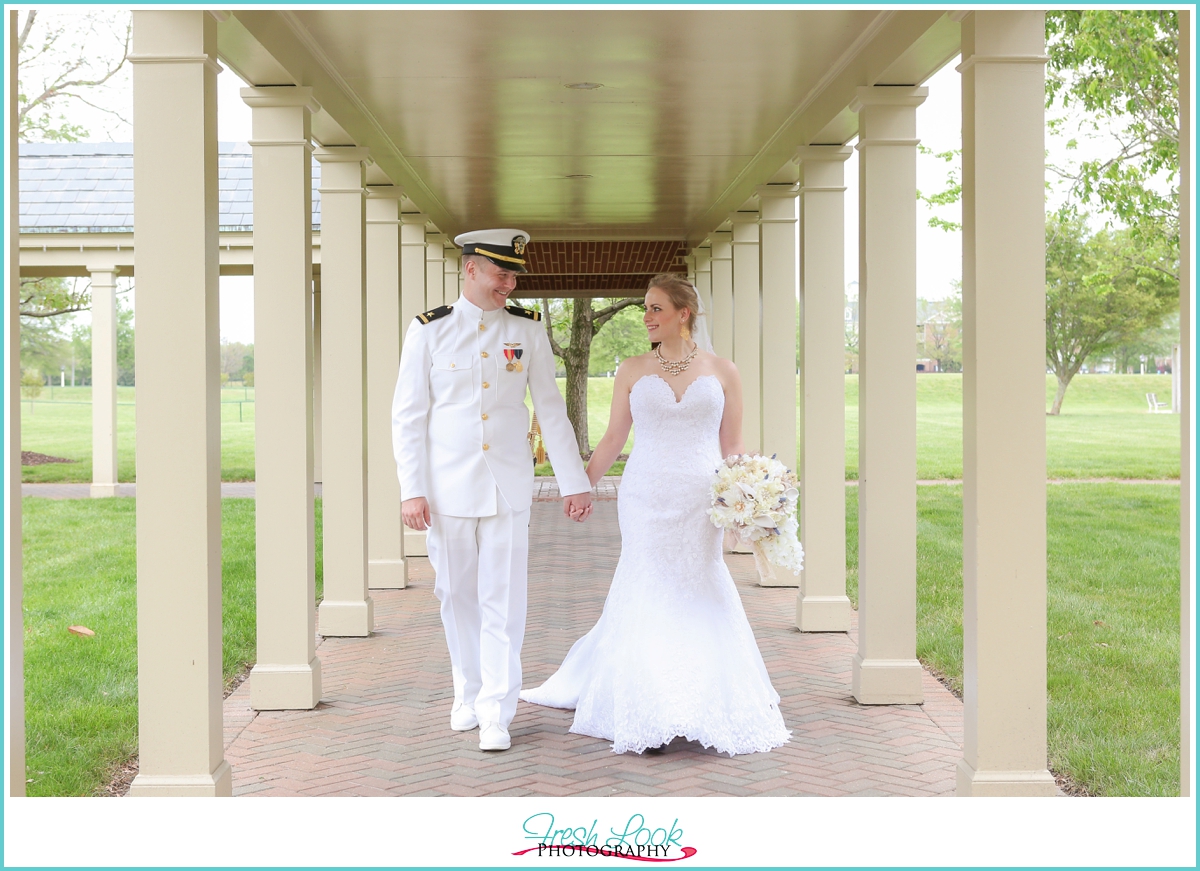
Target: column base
x=823, y=613
x=285, y=687
x=887, y=681
x=218, y=784
x=387, y=574
x=414, y=543
x=346, y=619
x=783, y=578
x=1004, y=783
x=101, y=491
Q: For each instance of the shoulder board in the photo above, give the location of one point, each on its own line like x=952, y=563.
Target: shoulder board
x=433, y=314
x=523, y=312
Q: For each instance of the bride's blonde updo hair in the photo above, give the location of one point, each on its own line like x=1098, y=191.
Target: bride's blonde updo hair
x=680, y=292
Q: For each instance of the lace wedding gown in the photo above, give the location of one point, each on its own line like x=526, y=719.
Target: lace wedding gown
x=672, y=653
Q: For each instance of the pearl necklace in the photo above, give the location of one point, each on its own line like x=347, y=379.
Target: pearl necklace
x=674, y=367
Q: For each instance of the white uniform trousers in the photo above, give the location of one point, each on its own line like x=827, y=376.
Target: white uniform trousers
x=482, y=567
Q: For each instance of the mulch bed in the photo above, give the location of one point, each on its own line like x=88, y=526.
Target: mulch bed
x=33, y=458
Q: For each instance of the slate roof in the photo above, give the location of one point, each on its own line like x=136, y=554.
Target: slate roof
x=87, y=187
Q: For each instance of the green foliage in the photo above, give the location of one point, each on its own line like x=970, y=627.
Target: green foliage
x=951, y=194
x=623, y=336
x=1101, y=290
x=31, y=383
x=47, y=297
x=1122, y=68
x=248, y=379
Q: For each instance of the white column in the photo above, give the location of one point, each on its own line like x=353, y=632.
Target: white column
x=721, y=275
x=747, y=323
x=180, y=741
x=346, y=610
x=386, y=569
x=1184, y=360
x=287, y=674
x=450, y=278
x=104, y=382
x=435, y=270
x=16, y=622
x=822, y=605
x=1004, y=406
x=704, y=281
x=318, y=472
x=777, y=410
x=412, y=302
x=777, y=227
x=885, y=669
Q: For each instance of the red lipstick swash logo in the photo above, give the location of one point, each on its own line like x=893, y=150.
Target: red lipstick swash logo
x=637, y=841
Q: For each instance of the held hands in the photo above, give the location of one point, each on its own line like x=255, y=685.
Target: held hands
x=415, y=512
x=578, y=507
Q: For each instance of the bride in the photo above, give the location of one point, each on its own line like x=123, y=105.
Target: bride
x=672, y=653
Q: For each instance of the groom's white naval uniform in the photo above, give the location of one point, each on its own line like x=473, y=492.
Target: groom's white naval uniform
x=460, y=433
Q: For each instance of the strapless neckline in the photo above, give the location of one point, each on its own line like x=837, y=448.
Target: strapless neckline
x=655, y=376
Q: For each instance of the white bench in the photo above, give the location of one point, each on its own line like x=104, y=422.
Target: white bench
x=1155, y=405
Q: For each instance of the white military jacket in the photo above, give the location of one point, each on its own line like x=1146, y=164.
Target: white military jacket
x=459, y=421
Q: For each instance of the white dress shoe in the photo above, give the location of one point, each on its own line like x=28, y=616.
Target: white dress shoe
x=493, y=736
x=463, y=719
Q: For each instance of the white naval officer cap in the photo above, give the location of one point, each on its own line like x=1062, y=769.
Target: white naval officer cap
x=505, y=248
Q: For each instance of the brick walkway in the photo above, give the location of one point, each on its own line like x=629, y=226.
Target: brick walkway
x=382, y=727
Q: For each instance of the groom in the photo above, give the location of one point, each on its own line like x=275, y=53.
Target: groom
x=460, y=435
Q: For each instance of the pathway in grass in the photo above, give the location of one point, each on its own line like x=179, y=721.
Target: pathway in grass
x=1113, y=624
x=1104, y=430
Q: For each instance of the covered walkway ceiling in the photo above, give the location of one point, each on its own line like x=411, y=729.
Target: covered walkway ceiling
x=472, y=113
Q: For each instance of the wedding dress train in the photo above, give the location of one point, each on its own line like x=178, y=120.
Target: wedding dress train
x=672, y=653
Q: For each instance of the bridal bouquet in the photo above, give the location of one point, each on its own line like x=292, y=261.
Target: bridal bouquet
x=755, y=499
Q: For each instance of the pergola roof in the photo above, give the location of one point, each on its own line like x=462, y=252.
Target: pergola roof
x=87, y=187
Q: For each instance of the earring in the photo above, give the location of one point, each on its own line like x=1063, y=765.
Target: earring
x=685, y=333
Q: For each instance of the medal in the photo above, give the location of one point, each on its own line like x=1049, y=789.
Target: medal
x=513, y=355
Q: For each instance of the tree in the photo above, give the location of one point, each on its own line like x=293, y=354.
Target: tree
x=47, y=297
x=623, y=336
x=942, y=338
x=63, y=59
x=1122, y=68
x=1101, y=290
x=585, y=323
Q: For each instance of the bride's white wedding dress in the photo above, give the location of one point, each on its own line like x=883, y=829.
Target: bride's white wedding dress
x=672, y=653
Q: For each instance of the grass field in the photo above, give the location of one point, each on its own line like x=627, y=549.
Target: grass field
x=80, y=692
x=1113, y=578
x=1104, y=430
x=1113, y=684
x=1113, y=624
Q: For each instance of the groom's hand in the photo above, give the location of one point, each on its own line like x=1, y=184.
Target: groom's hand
x=578, y=507
x=416, y=513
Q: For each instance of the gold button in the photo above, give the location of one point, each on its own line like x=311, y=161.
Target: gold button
x=451, y=365
x=485, y=447
x=482, y=328
x=483, y=353
x=485, y=385
x=485, y=417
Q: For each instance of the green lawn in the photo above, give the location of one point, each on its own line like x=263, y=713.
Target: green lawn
x=62, y=427
x=81, y=693
x=1113, y=624
x=1104, y=430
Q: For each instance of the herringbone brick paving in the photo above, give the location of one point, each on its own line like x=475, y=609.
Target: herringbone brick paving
x=382, y=727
